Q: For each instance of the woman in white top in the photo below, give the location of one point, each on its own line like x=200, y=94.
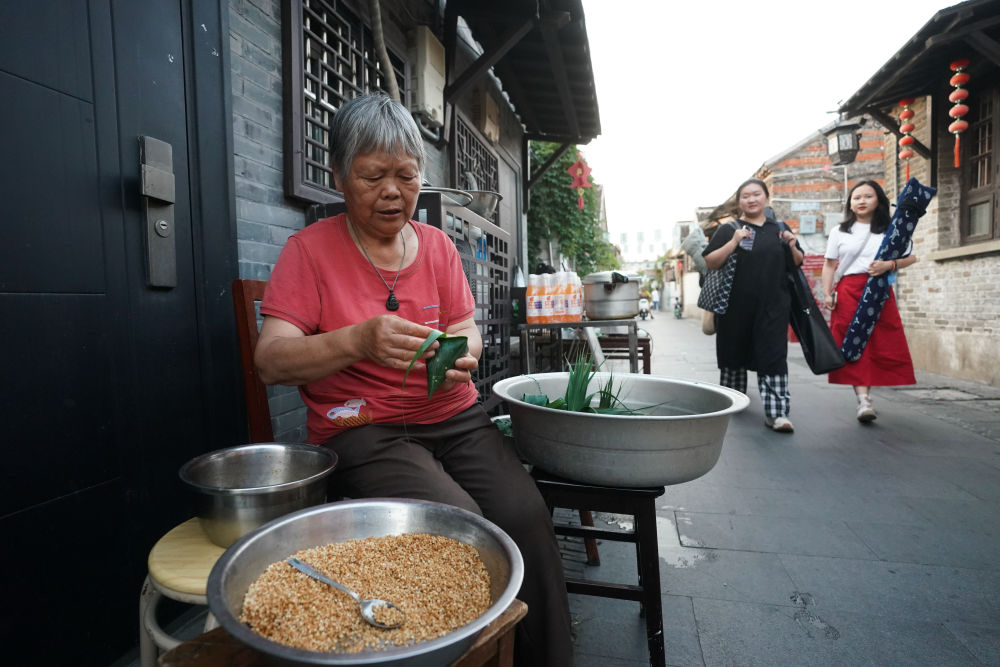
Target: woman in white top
x=850, y=261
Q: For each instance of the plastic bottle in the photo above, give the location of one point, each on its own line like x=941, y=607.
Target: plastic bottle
x=534, y=298
x=560, y=297
x=575, y=297
x=548, y=286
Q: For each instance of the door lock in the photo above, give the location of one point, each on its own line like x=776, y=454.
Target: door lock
x=157, y=188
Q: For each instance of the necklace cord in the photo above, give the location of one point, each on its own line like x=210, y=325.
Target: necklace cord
x=392, y=303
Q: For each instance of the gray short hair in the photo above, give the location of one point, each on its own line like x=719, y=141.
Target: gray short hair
x=373, y=122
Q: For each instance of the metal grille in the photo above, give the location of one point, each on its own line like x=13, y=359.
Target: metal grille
x=485, y=251
x=473, y=157
x=339, y=63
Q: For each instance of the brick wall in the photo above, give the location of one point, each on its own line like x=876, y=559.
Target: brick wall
x=803, y=182
x=950, y=305
x=265, y=218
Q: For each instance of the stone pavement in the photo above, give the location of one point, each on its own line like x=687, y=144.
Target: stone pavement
x=840, y=544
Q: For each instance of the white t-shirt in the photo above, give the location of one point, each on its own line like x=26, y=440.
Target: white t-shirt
x=841, y=245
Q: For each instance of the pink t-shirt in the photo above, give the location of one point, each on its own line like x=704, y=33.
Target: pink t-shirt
x=322, y=282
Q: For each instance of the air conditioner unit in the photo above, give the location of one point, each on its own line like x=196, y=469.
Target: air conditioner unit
x=487, y=116
x=427, y=56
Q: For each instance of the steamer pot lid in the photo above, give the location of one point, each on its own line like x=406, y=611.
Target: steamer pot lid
x=602, y=277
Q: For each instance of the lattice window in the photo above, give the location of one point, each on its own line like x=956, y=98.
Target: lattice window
x=473, y=157
x=330, y=57
x=981, y=190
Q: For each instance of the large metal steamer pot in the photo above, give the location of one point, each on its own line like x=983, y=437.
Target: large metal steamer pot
x=611, y=295
x=244, y=561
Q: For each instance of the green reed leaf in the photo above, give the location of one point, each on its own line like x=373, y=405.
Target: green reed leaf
x=431, y=337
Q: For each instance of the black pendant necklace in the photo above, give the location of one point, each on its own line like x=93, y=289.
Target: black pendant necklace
x=391, y=303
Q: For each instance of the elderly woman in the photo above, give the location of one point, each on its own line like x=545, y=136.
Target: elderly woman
x=349, y=303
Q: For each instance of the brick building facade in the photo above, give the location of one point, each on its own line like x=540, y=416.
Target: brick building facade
x=949, y=300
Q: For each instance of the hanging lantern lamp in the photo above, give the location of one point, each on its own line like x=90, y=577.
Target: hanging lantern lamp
x=958, y=98
x=580, y=173
x=906, y=126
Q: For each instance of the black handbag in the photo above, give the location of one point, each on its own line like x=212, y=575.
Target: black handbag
x=822, y=353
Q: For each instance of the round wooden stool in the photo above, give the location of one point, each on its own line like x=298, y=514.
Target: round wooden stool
x=179, y=565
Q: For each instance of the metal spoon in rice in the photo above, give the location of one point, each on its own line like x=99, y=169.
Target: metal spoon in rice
x=391, y=616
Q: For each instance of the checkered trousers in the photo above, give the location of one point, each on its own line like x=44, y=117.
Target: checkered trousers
x=773, y=389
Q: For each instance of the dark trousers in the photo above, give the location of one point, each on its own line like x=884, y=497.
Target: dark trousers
x=464, y=461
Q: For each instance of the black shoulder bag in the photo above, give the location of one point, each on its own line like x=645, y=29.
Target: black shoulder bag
x=822, y=353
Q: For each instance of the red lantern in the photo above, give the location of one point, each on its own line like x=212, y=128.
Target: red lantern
x=906, y=126
x=580, y=173
x=957, y=98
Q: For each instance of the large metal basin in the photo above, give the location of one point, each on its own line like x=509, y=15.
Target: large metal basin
x=245, y=560
x=677, y=439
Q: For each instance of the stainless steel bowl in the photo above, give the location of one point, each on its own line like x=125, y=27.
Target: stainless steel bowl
x=241, y=488
x=484, y=202
x=677, y=439
x=243, y=562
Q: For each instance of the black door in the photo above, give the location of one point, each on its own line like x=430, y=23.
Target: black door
x=108, y=384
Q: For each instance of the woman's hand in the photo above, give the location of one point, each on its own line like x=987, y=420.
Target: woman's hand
x=788, y=237
x=461, y=373
x=391, y=341
x=879, y=266
x=830, y=301
x=739, y=235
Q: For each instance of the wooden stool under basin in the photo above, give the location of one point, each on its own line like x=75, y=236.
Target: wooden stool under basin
x=179, y=565
x=640, y=503
x=217, y=648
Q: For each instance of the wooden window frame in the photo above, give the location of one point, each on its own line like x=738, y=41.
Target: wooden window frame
x=355, y=51
x=991, y=193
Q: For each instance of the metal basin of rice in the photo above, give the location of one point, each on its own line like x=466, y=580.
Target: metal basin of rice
x=676, y=438
x=245, y=560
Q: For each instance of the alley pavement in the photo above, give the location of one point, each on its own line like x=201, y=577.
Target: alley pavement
x=839, y=544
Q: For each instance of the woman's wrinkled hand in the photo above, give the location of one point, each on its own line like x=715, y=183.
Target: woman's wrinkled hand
x=391, y=341
x=461, y=373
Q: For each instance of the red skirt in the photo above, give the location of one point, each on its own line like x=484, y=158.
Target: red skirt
x=885, y=360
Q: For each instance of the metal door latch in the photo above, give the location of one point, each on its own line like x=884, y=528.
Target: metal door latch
x=157, y=187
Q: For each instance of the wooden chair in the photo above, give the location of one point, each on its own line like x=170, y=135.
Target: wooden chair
x=246, y=293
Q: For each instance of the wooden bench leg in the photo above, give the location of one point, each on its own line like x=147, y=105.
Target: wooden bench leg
x=593, y=557
x=648, y=561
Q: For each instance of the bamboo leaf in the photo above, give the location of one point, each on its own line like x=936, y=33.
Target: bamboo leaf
x=452, y=348
x=536, y=399
x=431, y=337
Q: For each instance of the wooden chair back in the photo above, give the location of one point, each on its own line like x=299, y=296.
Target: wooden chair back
x=246, y=293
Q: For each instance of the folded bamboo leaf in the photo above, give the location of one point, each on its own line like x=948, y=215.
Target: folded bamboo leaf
x=431, y=337
x=452, y=348
x=536, y=399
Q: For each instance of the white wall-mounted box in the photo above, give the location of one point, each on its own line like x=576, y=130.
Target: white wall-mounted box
x=427, y=56
x=487, y=116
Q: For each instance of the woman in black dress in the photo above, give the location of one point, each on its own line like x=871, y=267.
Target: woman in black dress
x=753, y=333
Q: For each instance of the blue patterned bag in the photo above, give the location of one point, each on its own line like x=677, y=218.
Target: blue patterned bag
x=910, y=207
